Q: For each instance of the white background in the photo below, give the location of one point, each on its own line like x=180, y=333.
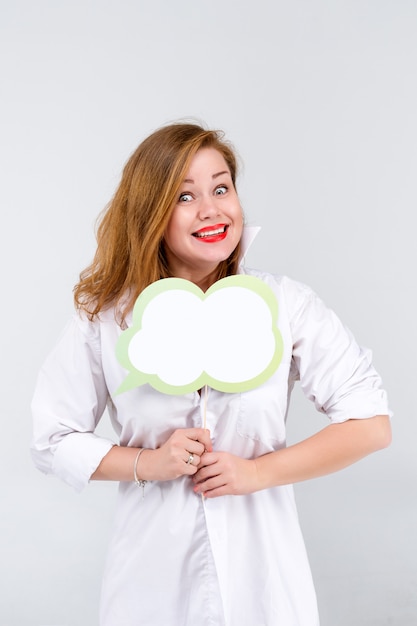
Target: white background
x=320, y=99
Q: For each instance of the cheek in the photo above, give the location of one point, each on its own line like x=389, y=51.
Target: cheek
x=173, y=230
x=239, y=219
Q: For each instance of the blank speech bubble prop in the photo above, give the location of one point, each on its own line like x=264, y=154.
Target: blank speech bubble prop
x=183, y=339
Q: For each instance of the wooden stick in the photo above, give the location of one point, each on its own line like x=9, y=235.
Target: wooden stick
x=205, y=420
x=205, y=406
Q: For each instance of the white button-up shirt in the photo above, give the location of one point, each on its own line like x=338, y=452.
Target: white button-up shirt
x=176, y=559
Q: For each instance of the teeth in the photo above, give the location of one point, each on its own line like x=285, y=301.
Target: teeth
x=210, y=233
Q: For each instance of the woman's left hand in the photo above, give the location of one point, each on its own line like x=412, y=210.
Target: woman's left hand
x=221, y=473
x=334, y=447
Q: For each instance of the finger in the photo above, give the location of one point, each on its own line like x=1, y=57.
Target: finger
x=205, y=472
x=212, y=484
x=192, y=458
x=215, y=493
x=193, y=463
x=208, y=458
x=201, y=435
x=189, y=469
x=194, y=447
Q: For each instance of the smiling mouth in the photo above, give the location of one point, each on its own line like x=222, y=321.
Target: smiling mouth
x=216, y=231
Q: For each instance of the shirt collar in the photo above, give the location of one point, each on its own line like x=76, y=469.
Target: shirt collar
x=248, y=235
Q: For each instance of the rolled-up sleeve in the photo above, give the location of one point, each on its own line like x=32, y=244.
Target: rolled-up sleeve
x=334, y=371
x=69, y=400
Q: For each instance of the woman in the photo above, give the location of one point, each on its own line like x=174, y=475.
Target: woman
x=234, y=556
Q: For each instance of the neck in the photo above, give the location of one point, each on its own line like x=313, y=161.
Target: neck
x=205, y=281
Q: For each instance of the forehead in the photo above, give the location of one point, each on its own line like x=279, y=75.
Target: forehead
x=207, y=162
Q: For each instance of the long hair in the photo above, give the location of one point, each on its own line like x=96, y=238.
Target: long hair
x=130, y=252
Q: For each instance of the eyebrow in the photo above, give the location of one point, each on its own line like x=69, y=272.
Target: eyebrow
x=190, y=180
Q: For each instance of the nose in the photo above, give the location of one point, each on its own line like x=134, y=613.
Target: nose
x=208, y=208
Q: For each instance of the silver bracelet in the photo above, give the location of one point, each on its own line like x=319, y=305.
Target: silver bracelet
x=139, y=481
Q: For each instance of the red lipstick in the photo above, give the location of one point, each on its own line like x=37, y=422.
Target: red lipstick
x=212, y=234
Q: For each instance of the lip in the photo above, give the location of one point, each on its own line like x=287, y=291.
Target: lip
x=218, y=233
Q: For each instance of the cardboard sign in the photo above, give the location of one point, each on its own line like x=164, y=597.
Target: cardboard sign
x=183, y=339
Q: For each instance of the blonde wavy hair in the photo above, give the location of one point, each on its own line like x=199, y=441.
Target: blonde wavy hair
x=130, y=233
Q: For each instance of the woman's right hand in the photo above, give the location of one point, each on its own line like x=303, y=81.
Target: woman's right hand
x=178, y=456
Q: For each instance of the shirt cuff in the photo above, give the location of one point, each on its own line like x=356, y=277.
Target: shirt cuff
x=77, y=457
x=365, y=405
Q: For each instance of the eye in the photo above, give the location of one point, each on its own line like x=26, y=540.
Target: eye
x=185, y=197
x=219, y=191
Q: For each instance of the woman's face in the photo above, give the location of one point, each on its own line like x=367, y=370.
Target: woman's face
x=206, y=224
